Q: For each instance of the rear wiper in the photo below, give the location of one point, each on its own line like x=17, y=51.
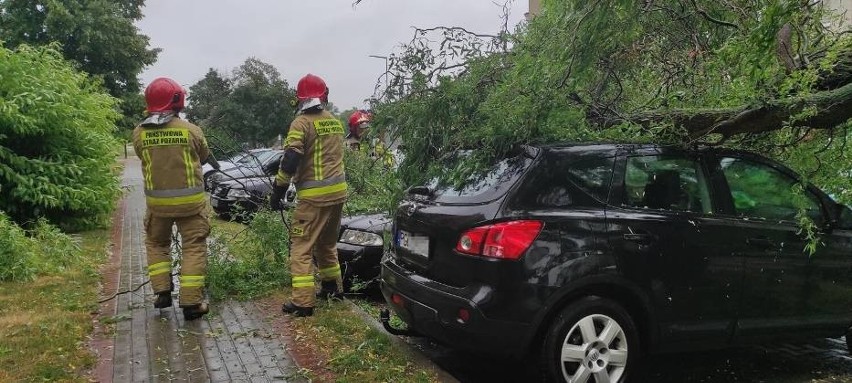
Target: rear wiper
x=420, y=190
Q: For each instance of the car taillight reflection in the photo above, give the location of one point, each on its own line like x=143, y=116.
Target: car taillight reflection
x=397, y=300
x=504, y=240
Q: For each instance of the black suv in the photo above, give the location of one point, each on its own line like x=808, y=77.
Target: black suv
x=589, y=256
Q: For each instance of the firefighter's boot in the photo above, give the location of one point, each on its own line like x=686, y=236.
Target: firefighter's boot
x=330, y=291
x=164, y=300
x=195, y=311
x=297, y=311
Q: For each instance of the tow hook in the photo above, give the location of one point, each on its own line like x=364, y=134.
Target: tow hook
x=384, y=317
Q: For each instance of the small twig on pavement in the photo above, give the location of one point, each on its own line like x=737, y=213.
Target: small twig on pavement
x=113, y=296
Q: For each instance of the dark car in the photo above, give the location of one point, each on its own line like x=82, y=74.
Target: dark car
x=239, y=192
x=587, y=256
x=246, y=158
x=360, y=248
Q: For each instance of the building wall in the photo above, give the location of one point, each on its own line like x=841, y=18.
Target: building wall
x=535, y=8
x=842, y=6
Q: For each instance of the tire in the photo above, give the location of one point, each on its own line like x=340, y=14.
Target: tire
x=594, y=353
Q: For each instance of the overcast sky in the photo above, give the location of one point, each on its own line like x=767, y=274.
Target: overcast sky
x=329, y=38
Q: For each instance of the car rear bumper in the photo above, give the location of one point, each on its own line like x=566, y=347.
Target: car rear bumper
x=434, y=311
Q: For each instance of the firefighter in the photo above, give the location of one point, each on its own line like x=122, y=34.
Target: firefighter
x=313, y=161
x=359, y=121
x=172, y=151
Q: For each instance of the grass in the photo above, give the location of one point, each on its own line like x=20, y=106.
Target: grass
x=44, y=323
x=356, y=351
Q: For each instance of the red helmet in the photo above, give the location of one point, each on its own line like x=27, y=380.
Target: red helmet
x=358, y=117
x=164, y=95
x=310, y=87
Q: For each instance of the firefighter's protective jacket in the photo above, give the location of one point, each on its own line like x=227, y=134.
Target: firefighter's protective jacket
x=171, y=156
x=319, y=175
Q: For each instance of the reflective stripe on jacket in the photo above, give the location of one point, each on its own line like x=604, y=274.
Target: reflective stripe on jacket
x=320, y=176
x=171, y=157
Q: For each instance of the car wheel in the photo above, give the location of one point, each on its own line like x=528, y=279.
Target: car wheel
x=591, y=340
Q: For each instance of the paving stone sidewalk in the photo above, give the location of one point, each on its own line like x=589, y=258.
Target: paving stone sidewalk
x=231, y=344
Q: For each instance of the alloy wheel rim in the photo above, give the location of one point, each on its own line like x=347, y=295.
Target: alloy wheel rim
x=594, y=350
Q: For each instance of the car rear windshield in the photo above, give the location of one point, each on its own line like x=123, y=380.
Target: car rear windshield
x=482, y=186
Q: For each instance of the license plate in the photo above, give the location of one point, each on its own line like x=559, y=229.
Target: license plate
x=416, y=244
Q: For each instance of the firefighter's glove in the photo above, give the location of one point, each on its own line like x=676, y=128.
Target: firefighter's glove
x=276, y=202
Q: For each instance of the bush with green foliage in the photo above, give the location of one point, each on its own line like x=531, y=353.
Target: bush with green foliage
x=251, y=262
x=26, y=254
x=57, y=150
x=373, y=186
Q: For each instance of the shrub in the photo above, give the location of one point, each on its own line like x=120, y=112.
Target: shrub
x=56, y=141
x=373, y=186
x=251, y=262
x=42, y=250
x=16, y=252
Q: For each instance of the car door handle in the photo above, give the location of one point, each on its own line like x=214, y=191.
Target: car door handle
x=761, y=242
x=638, y=237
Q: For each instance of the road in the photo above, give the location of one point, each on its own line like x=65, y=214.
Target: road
x=824, y=360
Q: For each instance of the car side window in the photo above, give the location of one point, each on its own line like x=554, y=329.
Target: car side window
x=555, y=182
x=667, y=183
x=761, y=191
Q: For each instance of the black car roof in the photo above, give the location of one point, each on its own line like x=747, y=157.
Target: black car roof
x=627, y=145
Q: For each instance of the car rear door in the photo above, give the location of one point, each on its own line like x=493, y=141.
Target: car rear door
x=664, y=229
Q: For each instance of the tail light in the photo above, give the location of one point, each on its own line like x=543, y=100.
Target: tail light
x=504, y=240
x=397, y=300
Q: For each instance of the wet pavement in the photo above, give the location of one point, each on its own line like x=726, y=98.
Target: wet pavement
x=151, y=345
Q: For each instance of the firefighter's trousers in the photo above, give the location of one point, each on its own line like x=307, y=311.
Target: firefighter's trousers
x=314, y=232
x=193, y=232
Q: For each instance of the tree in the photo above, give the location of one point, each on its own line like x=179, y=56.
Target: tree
x=206, y=96
x=99, y=35
x=251, y=106
x=771, y=75
x=56, y=146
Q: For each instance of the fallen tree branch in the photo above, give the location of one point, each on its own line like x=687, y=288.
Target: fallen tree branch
x=834, y=107
x=712, y=19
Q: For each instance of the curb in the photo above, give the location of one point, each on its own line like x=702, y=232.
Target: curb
x=419, y=359
x=101, y=343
